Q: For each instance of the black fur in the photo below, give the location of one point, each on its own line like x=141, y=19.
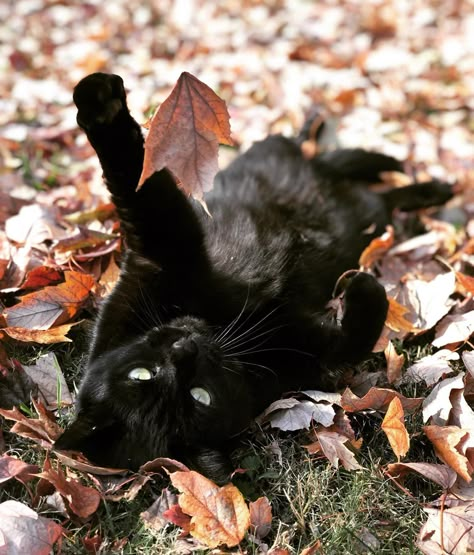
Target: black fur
x=234, y=304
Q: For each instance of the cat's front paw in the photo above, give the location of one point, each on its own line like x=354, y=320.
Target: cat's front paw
x=99, y=98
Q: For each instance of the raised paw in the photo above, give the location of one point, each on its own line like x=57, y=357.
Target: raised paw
x=99, y=98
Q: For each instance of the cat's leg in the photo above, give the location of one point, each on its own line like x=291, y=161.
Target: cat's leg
x=422, y=195
x=158, y=221
x=364, y=314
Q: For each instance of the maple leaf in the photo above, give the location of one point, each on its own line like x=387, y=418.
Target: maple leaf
x=455, y=328
x=82, y=500
x=23, y=531
x=184, y=136
x=11, y=467
x=448, y=531
x=53, y=304
x=437, y=405
x=394, y=363
x=291, y=414
x=377, y=398
x=219, y=515
x=396, y=320
x=260, y=517
x=394, y=428
x=44, y=337
x=154, y=515
x=431, y=367
x=332, y=444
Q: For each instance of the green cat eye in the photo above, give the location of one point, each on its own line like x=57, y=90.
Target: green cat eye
x=201, y=395
x=140, y=374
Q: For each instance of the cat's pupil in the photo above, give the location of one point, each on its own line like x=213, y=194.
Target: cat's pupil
x=201, y=395
x=140, y=374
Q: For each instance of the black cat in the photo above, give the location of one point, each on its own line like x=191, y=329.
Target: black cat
x=214, y=318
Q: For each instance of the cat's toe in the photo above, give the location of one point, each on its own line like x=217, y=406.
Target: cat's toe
x=99, y=98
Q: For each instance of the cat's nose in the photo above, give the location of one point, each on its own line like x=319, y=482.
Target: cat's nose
x=184, y=349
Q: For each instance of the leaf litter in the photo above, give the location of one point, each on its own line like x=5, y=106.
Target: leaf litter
x=423, y=119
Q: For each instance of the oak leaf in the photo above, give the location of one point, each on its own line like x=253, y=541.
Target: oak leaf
x=52, y=305
x=184, y=136
x=219, y=515
x=23, y=531
x=394, y=428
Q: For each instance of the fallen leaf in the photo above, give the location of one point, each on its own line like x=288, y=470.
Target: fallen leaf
x=154, y=515
x=394, y=363
x=437, y=405
x=377, y=248
x=45, y=337
x=448, y=531
x=468, y=359
x=176, y=516
x=53, y=304
x=219, y=515
x=11, y=467
x=455, y=328
x=260, y=517
x=311, y=549
x=396, y=320
x=441, y=474
x=41, y=276
x=466, y=281
x=378, y=399
x=431, y=368
x=333, y=446
x=291, y=414
x=447, y=442
x=184, y=136
x=160, y=463
x=394, y=428
x=23, y=531
x=16, y=387
x=47, y=374
x=82, y=500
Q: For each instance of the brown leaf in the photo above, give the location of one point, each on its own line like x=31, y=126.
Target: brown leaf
x=23, y=531
x=291, y=414
x=260, y=517
x=394, y=363
x=42, y=430
x=79, y=462
x=11, y=467
x=219, y=515
x=44, y=337
x=332, y=444
x=160, y=463
x=447, y=441
x=431, y=368
x=377, y=248
x=437, y=405
x=51, y=305
x=438, y=473
x=311, y=549
x=82, y=500
x=184, y=136
x=154, y=515
x=454, y=328
x=394, y=427
x=378, y=399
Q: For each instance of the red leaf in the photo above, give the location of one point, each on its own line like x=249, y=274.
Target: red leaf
x=184, y=136
x=41, y=276
x=11, y=467
x=175, y=515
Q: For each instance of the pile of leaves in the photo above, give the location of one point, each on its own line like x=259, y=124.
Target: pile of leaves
x=387, y=76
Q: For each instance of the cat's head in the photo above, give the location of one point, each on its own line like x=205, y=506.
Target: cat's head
x=168, y=393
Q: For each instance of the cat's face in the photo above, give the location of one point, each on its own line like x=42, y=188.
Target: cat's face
x=169, y=393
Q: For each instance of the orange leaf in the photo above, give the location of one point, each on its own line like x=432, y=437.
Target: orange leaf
x=219, y=515
x=447, y=442
x=394, y=428
x=466, y=281
x=396, y=320
x=378, y=399
x=184, y=136
x=377, y=248
x=394, y=363
x=53, y=304
x=45, y=337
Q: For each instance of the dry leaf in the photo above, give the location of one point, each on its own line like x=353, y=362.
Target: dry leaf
x=438, y=473
x=455, y=328
x=396, y=320
x=82, y=500
x=219, y=514
x=394, y=363
x=45, y=337
x=378, y=399
x=333, y=446
x=447, y=441
x=260, y=517
x=431, y=368
x=153, y=516
x=437, y=405
x=394, y=427
x=23, y=531
x=377, y=248
x=291, y=414
x=176, y=516
x=41, y=276
x=184, y=136
x=51, y=305
x=11, y=467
